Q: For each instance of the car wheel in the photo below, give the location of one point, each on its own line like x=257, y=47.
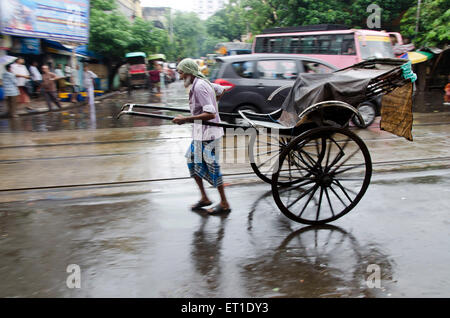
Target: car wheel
x=241, y=121
x=368, y=113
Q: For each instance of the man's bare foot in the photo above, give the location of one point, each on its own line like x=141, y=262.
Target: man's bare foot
x=220, y=209
x=200, y=204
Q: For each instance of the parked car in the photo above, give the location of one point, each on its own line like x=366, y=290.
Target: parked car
x=252, y=78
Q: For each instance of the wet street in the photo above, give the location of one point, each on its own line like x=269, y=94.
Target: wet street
x=113, y=197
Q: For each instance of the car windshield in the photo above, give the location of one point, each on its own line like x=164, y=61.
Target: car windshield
x=375, y=47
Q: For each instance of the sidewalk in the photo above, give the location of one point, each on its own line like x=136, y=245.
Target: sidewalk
x=40, y=105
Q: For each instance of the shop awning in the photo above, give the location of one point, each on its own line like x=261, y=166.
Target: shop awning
x=63, y=49
x=83, y=50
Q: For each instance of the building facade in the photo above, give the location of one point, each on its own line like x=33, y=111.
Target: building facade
x=206, y=8
x=130, y=8
x=157, y=15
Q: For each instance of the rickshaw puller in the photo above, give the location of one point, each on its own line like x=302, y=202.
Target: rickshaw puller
x=201, y=155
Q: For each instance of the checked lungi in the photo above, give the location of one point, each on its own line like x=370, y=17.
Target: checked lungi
x=202, y=161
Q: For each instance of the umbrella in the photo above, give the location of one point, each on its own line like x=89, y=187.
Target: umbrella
x=7, y=59
x=417, y=56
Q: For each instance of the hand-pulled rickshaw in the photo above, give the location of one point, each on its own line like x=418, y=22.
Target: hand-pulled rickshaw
x=318, y=168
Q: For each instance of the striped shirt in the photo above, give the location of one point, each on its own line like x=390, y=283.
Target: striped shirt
x=10, y=84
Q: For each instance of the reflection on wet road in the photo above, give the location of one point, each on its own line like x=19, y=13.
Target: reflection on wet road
x=151, y=245
x=103, y=116
x=113, y=198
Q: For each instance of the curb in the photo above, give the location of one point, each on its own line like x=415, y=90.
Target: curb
x=70, y=106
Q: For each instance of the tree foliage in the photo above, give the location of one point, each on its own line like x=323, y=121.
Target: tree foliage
x=434, y=23
x=109, y=31
x=229, y=23
x=189, y=32
x=281, y=13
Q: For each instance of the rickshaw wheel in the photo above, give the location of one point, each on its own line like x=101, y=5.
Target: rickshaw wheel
x=264, y=151
x=337, y=168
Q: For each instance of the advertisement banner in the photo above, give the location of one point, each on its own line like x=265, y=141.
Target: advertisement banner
x=26, y=46
x=62, y=20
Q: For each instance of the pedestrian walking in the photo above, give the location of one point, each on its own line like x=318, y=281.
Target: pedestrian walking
x=20, y=70
x=203, y=151
x=60, y=78
x=36, y=77
x=447, y=92
x=154, y=77
x=68, y=70
x=10, y=90
x=58, y=71
x=88, y=81
x=76, y=80
x=49, y=87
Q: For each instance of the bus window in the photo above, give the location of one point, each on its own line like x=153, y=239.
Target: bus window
x=308, y=44
x=323, y=44
x=276, y=45
x=336, y=44
x=375, y=46
x=348, y=45
x=261, y=45
x=294, y=45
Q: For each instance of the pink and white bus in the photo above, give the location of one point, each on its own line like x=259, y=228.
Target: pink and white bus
x=337, y=45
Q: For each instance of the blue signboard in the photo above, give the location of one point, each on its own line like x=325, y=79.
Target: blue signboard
x=62, y=20
x=30, y=46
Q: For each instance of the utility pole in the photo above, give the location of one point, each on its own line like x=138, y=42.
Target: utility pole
x=418, y=16
x=170, y=25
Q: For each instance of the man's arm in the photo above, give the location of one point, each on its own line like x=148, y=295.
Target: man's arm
x=180, y=119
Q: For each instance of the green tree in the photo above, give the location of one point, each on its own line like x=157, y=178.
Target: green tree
x=109, y=35
x=391, y=13
x=209, y=43
x=147, y=38
x=109, y=31
x=229, y=23
x=112, y=35
x=281, y=13
x=434, y=23
x=189, y=33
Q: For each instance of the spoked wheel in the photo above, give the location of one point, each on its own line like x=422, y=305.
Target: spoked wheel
x=264, y=151
x=336, y=168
